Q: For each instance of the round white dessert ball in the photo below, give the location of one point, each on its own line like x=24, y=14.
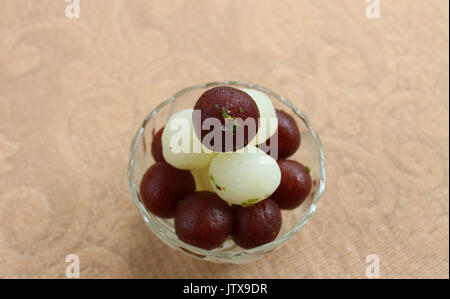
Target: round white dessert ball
x=244, y=177
x=268, y=121
x=202, y=180
x=181, y=147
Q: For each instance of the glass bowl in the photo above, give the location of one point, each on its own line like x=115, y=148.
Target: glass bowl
x=310, y=154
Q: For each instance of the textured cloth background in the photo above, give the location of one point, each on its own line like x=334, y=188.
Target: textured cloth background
x=73, y=92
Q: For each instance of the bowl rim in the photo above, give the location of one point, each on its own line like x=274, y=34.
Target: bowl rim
x=226, y=254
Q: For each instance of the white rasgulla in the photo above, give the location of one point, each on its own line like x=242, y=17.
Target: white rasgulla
x=268, y=122
x=244, y=177
x=202, y=180
x=181, y=147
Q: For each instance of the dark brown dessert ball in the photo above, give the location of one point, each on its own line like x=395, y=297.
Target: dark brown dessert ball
x=288, y=135
x=295, y=185
x=163, y=186
x=157, y=151
x=231, y=107
x=203, y=220
x=256, y=225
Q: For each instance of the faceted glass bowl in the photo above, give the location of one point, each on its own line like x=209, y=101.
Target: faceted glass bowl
x=310, y=154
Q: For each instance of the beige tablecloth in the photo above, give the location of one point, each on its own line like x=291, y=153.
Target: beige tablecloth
x=73, y=92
